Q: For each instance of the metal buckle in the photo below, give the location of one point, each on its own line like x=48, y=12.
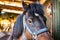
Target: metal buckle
x=34, y=35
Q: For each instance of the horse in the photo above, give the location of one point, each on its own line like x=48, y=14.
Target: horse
x=31, y=25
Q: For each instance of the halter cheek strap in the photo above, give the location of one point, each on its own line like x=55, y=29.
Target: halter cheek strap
x=34, y=34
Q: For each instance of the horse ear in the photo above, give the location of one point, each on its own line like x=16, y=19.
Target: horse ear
x=25, y=6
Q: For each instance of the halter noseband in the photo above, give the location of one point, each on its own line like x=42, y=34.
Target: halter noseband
x=34, y=34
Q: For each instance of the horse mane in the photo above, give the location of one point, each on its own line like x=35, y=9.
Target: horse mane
x=18, y=27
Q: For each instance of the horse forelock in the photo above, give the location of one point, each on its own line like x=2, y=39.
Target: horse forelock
x=36, y=8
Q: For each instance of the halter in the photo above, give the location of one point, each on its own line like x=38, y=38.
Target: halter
x=34, y=34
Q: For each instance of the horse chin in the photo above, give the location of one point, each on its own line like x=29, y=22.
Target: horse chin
x=44, y=36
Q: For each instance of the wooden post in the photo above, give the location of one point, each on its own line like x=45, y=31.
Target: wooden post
x=56, y=20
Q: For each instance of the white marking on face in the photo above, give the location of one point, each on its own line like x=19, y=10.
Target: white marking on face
x=36, y=14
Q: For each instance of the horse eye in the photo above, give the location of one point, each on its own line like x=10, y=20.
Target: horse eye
x=29, y=21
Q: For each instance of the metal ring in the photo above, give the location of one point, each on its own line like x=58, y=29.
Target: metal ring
x=34, y=36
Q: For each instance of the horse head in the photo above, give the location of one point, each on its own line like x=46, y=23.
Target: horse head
x=35, y=21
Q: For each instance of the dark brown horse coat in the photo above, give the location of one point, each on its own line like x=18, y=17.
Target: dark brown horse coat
x=18, y=27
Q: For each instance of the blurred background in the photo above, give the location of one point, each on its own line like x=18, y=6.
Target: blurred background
x=10, y=9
